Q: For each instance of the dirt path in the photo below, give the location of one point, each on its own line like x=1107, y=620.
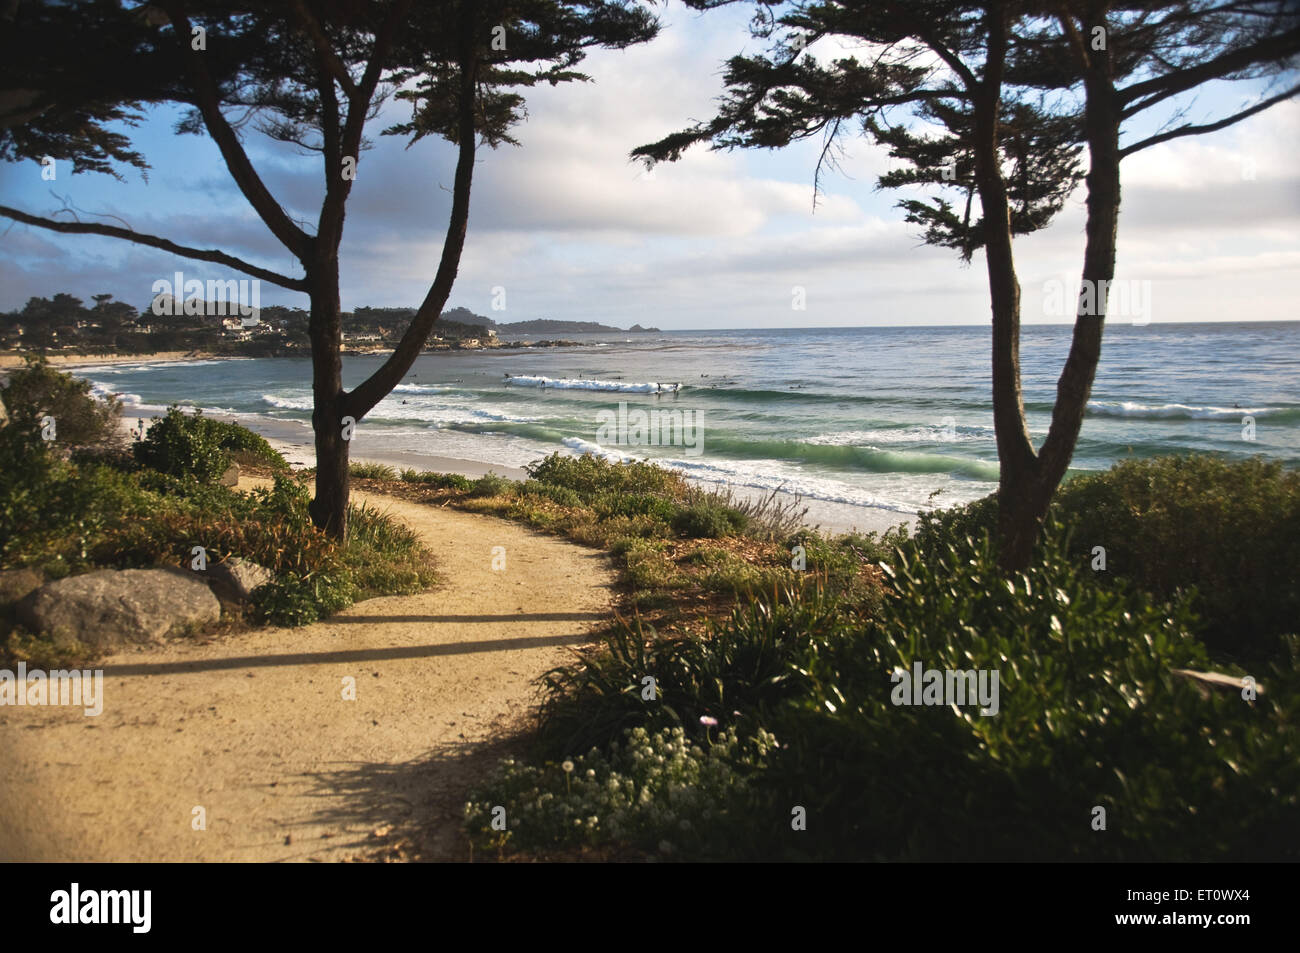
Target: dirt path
x=254, y=728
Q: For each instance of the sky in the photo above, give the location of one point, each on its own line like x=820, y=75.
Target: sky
x=569, y=228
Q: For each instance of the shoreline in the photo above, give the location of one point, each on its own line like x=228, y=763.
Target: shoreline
x=294, y=440
x=10, y=359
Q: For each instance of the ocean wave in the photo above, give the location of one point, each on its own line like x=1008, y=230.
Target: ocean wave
x=1133, y=409
x=419, y=389
x=902, y=435
x=441, y=414
x=847, y=457
x=587, y=448
x=825, y=491
x=566, y=383
x=288, y=403
x=134, y=367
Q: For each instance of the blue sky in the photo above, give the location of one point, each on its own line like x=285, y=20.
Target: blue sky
x=571, y=229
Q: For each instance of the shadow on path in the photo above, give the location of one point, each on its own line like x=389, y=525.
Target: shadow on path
x=356, y=655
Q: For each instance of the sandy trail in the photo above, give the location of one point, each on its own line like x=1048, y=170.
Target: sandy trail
x=254, y=728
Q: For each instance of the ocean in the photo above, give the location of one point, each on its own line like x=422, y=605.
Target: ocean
x=868, y=425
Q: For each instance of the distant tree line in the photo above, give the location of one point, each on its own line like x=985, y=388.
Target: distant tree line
x=66, y=322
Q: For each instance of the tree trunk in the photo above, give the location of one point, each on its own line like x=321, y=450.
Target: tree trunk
x=329, y=508
x=1025, y=495
x=1018, y=490
x=1075, y=385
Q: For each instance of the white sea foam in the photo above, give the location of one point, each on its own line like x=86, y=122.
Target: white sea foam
x=287, y=402
x=587, y=448
x=759, y=474
x=420, y=389
x=566, y=383
x=1129, y=408
x=875, y=438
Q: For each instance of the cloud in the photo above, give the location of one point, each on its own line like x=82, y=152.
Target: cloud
x=572, y=229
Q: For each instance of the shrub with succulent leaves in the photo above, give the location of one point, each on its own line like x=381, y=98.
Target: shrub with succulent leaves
x=657, y=791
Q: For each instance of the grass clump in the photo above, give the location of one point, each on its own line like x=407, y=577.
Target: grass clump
x=371, y=471
x=491, y=484
x=706, y=519
x=437, y=481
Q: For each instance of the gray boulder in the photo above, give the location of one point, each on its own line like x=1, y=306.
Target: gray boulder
x=112, y=607
x=235, y=579
x=4, y=414
x=15, y=584
x=231, y=476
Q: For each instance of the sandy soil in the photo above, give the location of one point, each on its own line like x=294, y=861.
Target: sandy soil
x=254, y=729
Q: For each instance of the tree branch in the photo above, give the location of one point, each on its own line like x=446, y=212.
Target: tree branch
x=1193, y=130
x=241, y=168
x=323, y=49
x=1146, y=94
x=371, y=391
x=347, y=142
x=153, y=241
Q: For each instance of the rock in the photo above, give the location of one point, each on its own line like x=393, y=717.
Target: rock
x=112, y=607
x=231, y=476
x=235, y=579
x=17, y=583
x=4, y=414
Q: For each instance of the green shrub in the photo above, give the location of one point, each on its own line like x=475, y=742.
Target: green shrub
x=372, y=471
x=737, y=671
x=646, y=566
x=589, y=475
x=53, y=515
x=705, y=520
x=655, y=791
x=609, y=505
x=1089, y=715
x=735, y=574
x=561, y=495
x=295, y=600
x=491, y=484
x=244, y=445
x=439, y=481
x=1226, y=529
x=35, y=391
x=183, y=445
